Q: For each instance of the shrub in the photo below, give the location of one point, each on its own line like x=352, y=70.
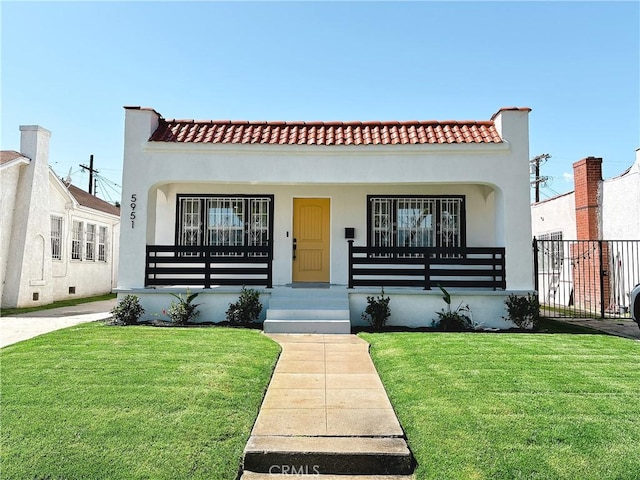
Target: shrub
x=247, y=309
x=377, y=311
x=183, y=311
x=524, y=311
x=127, y=311
x=458, y=320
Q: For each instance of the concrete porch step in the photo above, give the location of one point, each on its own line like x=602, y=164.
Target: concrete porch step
x=308, y=311
x=288, y=476
x=327, y=455
x=327, y=326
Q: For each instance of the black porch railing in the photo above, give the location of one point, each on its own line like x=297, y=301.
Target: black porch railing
x=427, y=267
x=208, y=265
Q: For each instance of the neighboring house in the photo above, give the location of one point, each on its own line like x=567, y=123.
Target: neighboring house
x=405, y=205
x=56, y=241
x=600, y=219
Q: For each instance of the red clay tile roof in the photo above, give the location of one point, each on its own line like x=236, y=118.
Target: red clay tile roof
x=326, y=133
x=87, y=200
x=8, y=155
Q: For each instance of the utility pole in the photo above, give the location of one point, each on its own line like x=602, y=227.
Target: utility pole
x=91, y=172
x=537, y=180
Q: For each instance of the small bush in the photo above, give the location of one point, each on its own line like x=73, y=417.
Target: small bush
x=183, y=311
x=247, y=309
x=377, y=311
x=128, y=311
x=458, y=320
x=524, y=311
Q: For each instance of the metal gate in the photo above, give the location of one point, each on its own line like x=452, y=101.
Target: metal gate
x=586, y=278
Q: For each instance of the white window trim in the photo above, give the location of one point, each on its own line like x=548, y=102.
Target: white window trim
x=57, y=237
x=77, y=240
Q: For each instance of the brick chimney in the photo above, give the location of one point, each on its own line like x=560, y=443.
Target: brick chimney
x=590, y=257
x=587, y=176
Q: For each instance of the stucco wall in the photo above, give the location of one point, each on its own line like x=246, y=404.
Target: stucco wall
x=31, y=193
x=348, y=209
x=498, y=172
x=411, y=308
x=621, y=206
x=8, y=187
x=555, y=215
x=88, y=277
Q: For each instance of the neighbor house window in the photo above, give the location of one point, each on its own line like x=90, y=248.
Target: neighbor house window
x=224, y=220
x=550, y=251
x=416, y=221
x=102, y=244
x=56, y=238
x=77, y=236
x=90, y=243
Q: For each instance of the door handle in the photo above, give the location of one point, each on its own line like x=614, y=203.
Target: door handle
x=295, y=246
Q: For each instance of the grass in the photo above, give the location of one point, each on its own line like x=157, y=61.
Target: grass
x=515, y=406
x=99, y=402
x=6, y=312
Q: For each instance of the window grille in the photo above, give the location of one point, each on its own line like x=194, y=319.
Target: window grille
x=258, y=225
x=102, y=244
x=56, y=238
x=90, y=244
x=76, y=240
x=419, y=221
x=190, y=222
x=224, y=221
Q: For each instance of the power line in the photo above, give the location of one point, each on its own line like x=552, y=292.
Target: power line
x=91, y=172
x=537, y=180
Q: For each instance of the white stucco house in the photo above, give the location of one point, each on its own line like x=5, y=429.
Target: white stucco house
x=56, y=241
x=590, y=255
x=339, y=207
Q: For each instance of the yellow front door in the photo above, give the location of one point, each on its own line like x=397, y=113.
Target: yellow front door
x=311, y=225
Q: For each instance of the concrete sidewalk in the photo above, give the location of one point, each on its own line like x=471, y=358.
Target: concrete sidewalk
x=21, y=327
x=326, y=412
x=621, y=327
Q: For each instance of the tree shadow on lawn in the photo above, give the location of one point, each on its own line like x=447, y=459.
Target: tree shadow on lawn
x=169, y=324
x=546, y=326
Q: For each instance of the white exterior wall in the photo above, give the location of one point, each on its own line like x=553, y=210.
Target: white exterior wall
x=30, y=194
x=88, y=277
x=499, y=171
x=348, y=209
x=493, y=177
x=29, y=255
x=621, y=205
x=619, y=209
x=555, y=215
x=8, y=188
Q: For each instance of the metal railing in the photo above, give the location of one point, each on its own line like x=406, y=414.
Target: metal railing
x=205, y=266
x=586, y=278
x=427, y=267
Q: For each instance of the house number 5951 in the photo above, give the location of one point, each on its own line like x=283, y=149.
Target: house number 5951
x=132, y=215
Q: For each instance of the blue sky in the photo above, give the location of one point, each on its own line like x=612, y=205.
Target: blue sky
x=71, y=67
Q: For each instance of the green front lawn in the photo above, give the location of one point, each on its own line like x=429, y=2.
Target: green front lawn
x=515, y=406
x=98, y=402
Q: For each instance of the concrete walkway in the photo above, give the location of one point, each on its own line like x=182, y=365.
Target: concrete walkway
x=326, y=412
x=621, y=327
x=21, y=327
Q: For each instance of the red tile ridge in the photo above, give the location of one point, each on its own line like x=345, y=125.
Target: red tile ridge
x=373, y=132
